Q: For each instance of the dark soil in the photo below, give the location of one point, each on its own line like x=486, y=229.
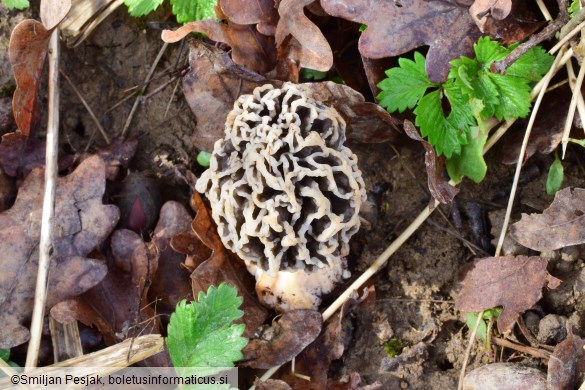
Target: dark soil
x=414, y=292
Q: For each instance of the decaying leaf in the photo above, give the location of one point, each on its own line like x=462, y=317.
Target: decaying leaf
x=250, y=49
x=512, y=282
x=27, y=51
x=118, y=306
x=53, y=11
x=271, y=384
x=20, y=154
x=260, y=12
x=211, y=87
x=445, y=26
x=566, y=366
x=171, y=282
x=221, y=266
x=560, y=225
x=299, y=38
x=439, y=187
x=82, y=222
x=351, y=381
x=284, y=340
x=481, y=10
x=6, y=116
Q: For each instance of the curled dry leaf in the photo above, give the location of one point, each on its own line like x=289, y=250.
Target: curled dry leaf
x=300, y=38
x=512, y=282
x=445, y=26
x=53, y=12
x=284, y=340
x=250, y=49
x=171, y=282
x=260, y=12
x=27, y=51
x=482, y=10
x=560, y=225
x=566, y=366
x=118, y=306
x=439, y=187
x=222, y=265
x=82, y=222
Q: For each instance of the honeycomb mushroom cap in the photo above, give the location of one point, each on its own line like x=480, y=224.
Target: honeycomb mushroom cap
x=284, y=190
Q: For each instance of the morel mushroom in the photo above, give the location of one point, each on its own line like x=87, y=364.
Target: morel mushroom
x=285, y=193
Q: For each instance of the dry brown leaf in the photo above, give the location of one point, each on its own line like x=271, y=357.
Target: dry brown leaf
x=439, y=187
x=296, y=30
x=171, y=282
x=445, y=26
x=53, y=12
x=250, y=49
x=560, y=225
x=27, y=51
x=482, y=10
x=512, y=282
x=221, y=266
x=260, y=12
x=566, y=366
x=271, y=384
x=6, y=117
x=211, y=87
x=81, y=223
x=284, y=340
x=351, y=381
x=20, y=154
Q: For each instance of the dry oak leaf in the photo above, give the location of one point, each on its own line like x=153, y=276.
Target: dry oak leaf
x=27, y=51
x=263, y=13
x=481, y=10
x=566, y=366
x=284, y=340
x=311, y=49
x=221, y=265
x=81, y=223
x=560, y=225
x=512, y=282
x=396, y=27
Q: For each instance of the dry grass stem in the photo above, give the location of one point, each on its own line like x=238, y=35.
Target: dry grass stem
x=572, y=107
x=36, y=327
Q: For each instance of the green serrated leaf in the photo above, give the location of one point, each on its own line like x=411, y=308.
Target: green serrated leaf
x=18, y=4
x=405, y=85
x=202, y=333
x=193, y=10
x=556, y=175
x=532, y=65
x=142, y=7
x=488, y=51
x=514, y=96
x=440, y=132
x=574, y=7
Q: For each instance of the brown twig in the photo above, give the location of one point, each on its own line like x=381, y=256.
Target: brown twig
x=539, y=353
x=535, y=39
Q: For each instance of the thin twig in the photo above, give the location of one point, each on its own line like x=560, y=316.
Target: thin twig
x=87, y=107
x=544, y=10
x=572, y=107
x=468, y=349
x=173, y=95
x=45, y=246
x=146, y=83
x=539, y=353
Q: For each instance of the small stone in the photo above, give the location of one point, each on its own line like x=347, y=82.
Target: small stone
x=552, y=329
x=505, y=376
x=550, y=255
x=531, y=320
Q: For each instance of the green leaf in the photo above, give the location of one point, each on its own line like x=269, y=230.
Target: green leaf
x=532, y=65
x=442, y=132
x=405, y=85
x=514, y=96
x=142, y=7
x=574, y=7
x=18, y=4
x=5, y=354
x=470, y=161
x=312, y=74
x=193, y=10
x=202, y=334
x=488, y=51
x=362, y=27
x=470, y=320
x=203, y=159
x=555, y=178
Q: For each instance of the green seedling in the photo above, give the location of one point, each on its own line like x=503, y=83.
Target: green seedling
x=16, y=4
x=485, y=325
x=473, y=95
x=203, y=334
x=185, y=10
x=393, y=347
x=556, y=175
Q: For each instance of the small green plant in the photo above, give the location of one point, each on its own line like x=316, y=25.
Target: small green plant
x=203, y=159
x=5, y=355
x=203, y=335
x=18, y=4
x=393, y=347
x=485, y=325
x=556, y=175
x=184, y=10
x=472, y=93
x=575, y=7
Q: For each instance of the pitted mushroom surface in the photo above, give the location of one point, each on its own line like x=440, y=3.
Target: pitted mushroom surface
x=285, y=193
